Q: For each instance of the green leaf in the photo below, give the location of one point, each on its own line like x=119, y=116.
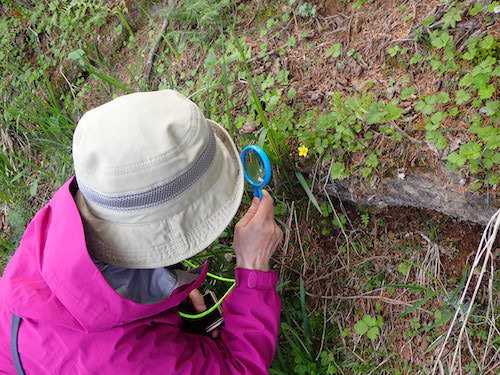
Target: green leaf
x=455, y=161
x=478, y=7
x=440, y=38
x=436, y=64
x=407, y=92
x=490, y=158
x=417, y=57
x=268, y=82
x=466, y=80
x=360, y=327
x=365, y=218
x=428, y=21
x=488, y=42
x=373, y=333
x=211, y=58
x=372, y=160
x=494, y=7
x=305, y=316
x=451, y=17
x=334, y=50
x=338, y=171
x=375, y=116
x=493, y=178
x=491, y=107
x=76, y=55
x=471, y=150
x=486, y=92
x=404, y=269
x=477, y=102
x=443, y=97
x=438, y=117
x=488, y=134
x=308, y=191
x=379, y=112
x=392, y=111
x=262, y=138
x=292, y=93
x=393, y=51
x=380, y=320
x=481, y=80
x=476, y=185
x=484, y=66
x=436, y=138
x=419, y=303
x=34, y=188
x=369, y=320
x=365, y=171
x=470, y=54
x=339, y=221
x=425, y=108
x=461, y=96
x=431, y=125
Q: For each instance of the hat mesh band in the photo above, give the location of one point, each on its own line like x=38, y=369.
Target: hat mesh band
x=160, y=194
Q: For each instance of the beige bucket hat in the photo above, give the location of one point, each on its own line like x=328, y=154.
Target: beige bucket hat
x=157, y=182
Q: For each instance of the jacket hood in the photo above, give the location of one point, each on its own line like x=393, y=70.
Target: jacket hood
x=51, y=277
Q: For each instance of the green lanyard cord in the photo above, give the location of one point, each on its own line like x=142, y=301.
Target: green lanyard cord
x=218, y=303
x=204, y=313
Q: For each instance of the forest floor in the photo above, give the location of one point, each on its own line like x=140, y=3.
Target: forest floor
x=365, y=86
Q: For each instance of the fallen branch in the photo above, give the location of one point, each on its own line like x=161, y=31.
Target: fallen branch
x=154, y=49
x=405, y=134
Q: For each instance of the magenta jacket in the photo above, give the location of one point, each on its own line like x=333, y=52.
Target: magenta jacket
x=74, y=323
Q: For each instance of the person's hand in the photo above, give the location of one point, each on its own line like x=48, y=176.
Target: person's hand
x=257, y=235
x=199, y=305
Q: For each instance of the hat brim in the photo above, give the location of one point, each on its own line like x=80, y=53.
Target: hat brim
x=169, y=233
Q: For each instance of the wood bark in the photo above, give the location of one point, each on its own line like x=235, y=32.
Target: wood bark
x=444, y=192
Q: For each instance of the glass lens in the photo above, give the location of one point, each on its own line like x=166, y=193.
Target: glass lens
x=254, y=167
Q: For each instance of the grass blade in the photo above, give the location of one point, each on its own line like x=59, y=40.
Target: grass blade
x=305, y=317
x=418, y=304
x=308, y=191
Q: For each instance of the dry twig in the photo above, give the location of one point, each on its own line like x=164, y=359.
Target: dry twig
x=154, y=49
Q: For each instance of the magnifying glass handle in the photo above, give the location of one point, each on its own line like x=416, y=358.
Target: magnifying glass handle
x=257, y=192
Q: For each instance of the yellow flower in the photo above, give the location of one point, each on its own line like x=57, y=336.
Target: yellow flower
x=303, y=151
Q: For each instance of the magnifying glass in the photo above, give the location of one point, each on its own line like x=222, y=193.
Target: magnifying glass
x=256, y=168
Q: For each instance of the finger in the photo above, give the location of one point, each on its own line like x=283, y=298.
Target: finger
x=277, y=238
x=281, y=235
x=215, y=333
x=251, y=212
x=197, y=300
x=265, y=211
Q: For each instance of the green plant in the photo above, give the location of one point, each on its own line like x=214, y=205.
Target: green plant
x=306, y=10
x=369, y=326
x=334, y=51
x=199, y=14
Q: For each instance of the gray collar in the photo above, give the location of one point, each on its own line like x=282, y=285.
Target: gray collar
x=147, y=286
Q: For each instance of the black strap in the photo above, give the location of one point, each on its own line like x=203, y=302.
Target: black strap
x=13, y=344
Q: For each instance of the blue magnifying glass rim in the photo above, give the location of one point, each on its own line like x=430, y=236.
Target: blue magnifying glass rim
x=266, y=164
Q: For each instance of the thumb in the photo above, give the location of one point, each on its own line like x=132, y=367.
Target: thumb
x=251, y=212
x=265, y=210
x=197, y=300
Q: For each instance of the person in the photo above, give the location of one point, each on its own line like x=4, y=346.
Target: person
x=95, y=283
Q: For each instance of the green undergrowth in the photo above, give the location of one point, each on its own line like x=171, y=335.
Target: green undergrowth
x=470, y=71
x=56, y=56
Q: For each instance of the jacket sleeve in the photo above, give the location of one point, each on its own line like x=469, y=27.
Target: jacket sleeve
x=249, y=337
